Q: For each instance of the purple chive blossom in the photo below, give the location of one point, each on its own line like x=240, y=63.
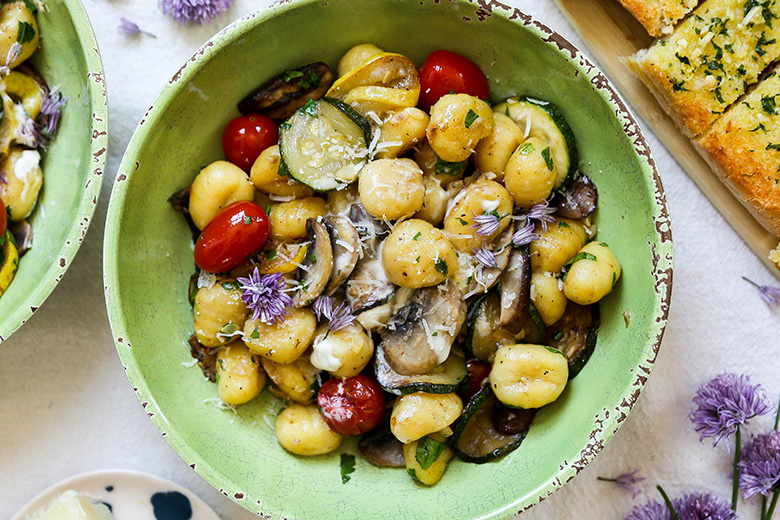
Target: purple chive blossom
x=200, y=11
x=542, y=213
x=771, y=295
x=3, y=177
x=525, y=235
x=627, y=481
x=265, y=296
x=653, y=510
x=724, y=403
x=130, y=28
x=342, y=317
x=484, y=255
x=487, y=224
x=703, y=506
x=323, y=307
x=49, y=118
x=27, y=133
x=759, y=469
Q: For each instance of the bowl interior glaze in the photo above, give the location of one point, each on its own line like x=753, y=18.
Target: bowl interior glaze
x=148, y=259
x=72, y=166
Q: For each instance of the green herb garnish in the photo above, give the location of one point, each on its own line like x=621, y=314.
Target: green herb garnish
x=347, y=466
x=428, y=450
x=471, y=116
x=441, y=266
x=548, y=160
x=25, y=34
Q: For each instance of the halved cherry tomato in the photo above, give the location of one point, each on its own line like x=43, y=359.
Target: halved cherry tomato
x=351, y=406
x=245, y=138
x=444, y=72
x=3, y=217
x=478, y=372
x=237, y=232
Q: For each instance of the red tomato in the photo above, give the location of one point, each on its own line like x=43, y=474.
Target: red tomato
x=445, y=71
x=245, y=138
x=236, y=233
x=478, y=372
x=3, y=218
x=351, y=406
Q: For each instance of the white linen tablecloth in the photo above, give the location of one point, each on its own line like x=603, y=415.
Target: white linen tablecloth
x=67, y=407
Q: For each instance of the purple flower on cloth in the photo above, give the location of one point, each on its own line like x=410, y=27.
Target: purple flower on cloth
x=525, y=235
x=542, y=213
x=627, y=481
x=759, y=469
x=703, y=506
x=200, y=11
x=768, y=293
x=484, y=255
x=695, y=506
x=652, y=510
x=342, y=317
x=724, y=403
x=131, y=28
x=265, y=297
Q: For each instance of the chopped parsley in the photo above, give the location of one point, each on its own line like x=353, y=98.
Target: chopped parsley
x=449, y=168
x=678, y=87
x=462, y=222
x=441, y=266
x=312, y=258
x=526, y=148
x=428, y=450
x=310, y=108
x=25, y=34
x=255, y=334
x=418, y=235
x=582, y=256
x=683, y=59
x=31, y=6
x=270, y=254
x=768, y=104
x=548, y=160
x=558, y=336
x=773, y=146
x=471, y=116
x=247, y=220
x=347, y=466
x=231, y=286
x=762, y=41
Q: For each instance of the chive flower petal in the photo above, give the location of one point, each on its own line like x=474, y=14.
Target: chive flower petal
x=265, y=296
x=197, y=11
x=542, y=213
x=703, y=506
x=322, y=307
x=486, y=225
x=342, y=317
x=759, y=468
x=484, y=255
x=725, y=402
x=525, y=235
x=652, y=510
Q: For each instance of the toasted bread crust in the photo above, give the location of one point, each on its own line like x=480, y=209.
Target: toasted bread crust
x=743, y=147
x=710, y=60
x=658, y=16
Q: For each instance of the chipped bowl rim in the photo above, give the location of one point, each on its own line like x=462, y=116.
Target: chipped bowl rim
x=87, y=203
x=604, y=428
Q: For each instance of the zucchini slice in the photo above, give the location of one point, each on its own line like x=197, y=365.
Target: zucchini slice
x=476, y=438
x=324, y=144
x=575, y=335
x=545, y=121
x=485, y=334
x=9, y=261
x=443, y=379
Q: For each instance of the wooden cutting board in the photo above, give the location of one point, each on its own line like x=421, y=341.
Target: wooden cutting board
x=611, y=33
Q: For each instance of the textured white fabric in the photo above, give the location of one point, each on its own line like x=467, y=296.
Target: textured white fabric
x=66, y=406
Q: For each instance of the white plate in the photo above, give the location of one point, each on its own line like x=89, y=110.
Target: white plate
x=132, y=495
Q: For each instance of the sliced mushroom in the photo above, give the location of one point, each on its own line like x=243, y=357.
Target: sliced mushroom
x=381, y=448
x=285, y=93
x=578, y=200
x=369, y=229
x=376, y=318
x=515, y=290
x=369, y=285
x=317, y=264
x=181, y=203
x=23, y=234
x=207, y=358
x=487, y=277
x=420, y=336
x=345, y=242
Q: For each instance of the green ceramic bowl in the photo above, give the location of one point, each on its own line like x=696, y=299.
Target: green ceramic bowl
x=72, y=166
x=148, y=259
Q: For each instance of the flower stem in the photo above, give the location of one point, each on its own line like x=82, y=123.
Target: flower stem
x=763, y=507
x=606, y=479
x=668, y=503
x=777, y=416
x=751, y=282
x=772, y=506
x=735, y=479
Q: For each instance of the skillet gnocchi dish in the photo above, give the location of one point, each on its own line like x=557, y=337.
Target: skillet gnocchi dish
x=30, y=113
x=397, y=258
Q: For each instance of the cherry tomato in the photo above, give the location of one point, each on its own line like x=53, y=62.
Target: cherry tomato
x=245, y=138
x=237, y=232
x=3, y=218
x=445, y=71
x=351, y=406
x=478, y=372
